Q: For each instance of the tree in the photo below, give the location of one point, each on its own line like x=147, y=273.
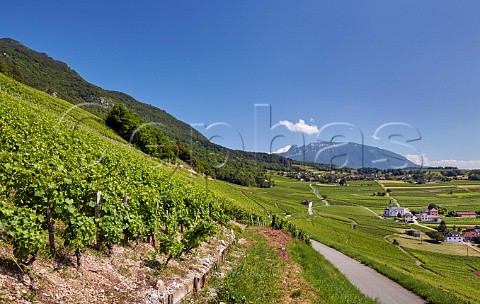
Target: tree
x=147, y=137
x=436, y=236
x=431, y=206
x=442, y=227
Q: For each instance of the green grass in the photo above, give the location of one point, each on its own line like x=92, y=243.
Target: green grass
x=255, y=278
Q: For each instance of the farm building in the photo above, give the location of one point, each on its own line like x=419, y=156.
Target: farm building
x=473, y=228
x=425, y=217
x=414, y=233
x=466, y=214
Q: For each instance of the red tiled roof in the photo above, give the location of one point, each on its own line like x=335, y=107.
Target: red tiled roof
x=471, y=234
x=466, y=213
x=477, y=273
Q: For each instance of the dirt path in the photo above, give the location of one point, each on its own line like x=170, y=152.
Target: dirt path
x=471, y=246
x=388, y=194
x=421, y=187
x=318, y=196
x=378, y=215
x=366, y=279
x=291, y=279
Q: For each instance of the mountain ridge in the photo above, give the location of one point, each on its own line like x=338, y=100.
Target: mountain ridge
x=349, y=154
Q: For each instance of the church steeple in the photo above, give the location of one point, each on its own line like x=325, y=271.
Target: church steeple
x=390, y=204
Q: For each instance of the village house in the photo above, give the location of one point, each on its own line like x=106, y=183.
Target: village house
x=425, y=217
x=466, y=214
x=471, y=236
x=429, y=215
x=454, y=237
x=408, y=217
x=391, y=211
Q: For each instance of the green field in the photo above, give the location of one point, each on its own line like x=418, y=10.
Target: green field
x=454, y=195
x=433, y=272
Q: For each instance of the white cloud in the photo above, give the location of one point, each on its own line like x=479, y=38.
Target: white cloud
x=422, y=159
x=461, y=164
x=300, y=126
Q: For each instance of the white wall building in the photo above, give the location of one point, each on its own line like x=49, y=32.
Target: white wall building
x=454, y=237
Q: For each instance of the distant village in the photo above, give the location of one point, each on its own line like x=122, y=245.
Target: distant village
x=469, y=235
x=418, y=176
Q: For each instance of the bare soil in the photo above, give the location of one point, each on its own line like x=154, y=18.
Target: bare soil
x=292, y=279
x=130, y=275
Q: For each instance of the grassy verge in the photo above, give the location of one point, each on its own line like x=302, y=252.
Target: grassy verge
x=250, y=274
x=255, y=278
x=260, y=267
x=255, y=272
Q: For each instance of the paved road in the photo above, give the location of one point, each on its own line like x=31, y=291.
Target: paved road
x=415, y=222
x=367, y=280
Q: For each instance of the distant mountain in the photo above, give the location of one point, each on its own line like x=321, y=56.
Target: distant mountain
x=349, y=154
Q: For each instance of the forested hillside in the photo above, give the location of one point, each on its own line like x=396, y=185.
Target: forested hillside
x=56, y=78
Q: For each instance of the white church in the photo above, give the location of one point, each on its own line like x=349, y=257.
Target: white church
x=391, y=211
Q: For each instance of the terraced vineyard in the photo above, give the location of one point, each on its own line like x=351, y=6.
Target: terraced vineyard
x=455, y=195
x=62, y=172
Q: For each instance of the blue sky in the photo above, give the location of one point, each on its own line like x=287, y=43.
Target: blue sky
x=365, y=63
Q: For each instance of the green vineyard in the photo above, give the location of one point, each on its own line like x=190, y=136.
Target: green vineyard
x=71, y=176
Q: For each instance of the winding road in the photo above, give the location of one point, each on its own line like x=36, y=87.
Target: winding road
x=366, y=279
